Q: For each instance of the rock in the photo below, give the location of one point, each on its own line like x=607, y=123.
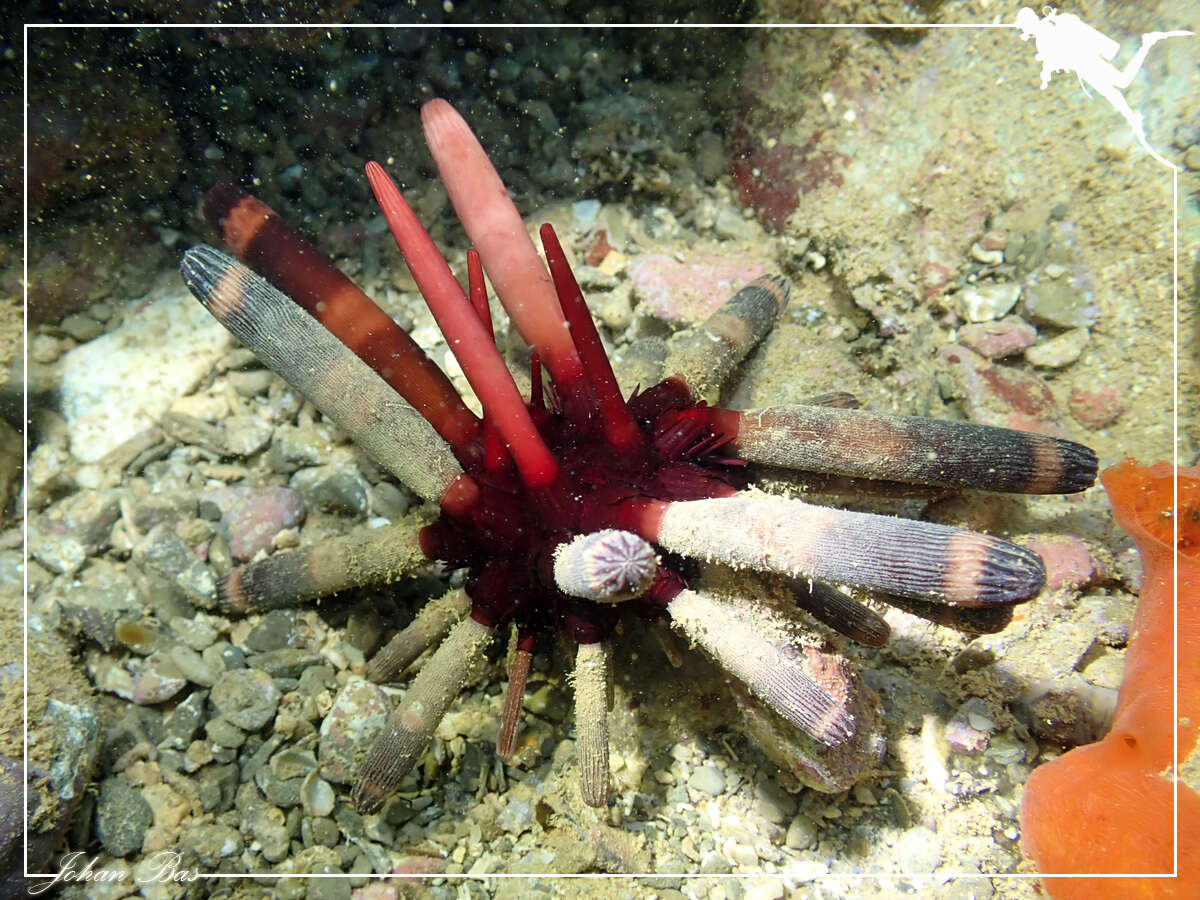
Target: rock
x=686, y=293
x=184, y=721
x=58, y=553
x=333, y=488
x=1005, y=337
x=245, y=435
x=389, y=501
x=145, y=511
x=986, y=302
x=1058, y=303
x=297, y=446
x=94, y=603
x=164, y=350
x=1069, y=562
x=1001, y=395
x=194, y=633
x=356, y=717
x=246, y=697
x=82, y=327
x=163, y=552
x=1059, y=351
x=87, y=516
x=122, y=817
x=158, y=680
x=773, y=803
x=707, y=780
x=275, y=630
x=1096, y=407
x=287, y=662
x=210, y=843
x=193, y=667
x=251, y=519
x=970, y=728
x=221, y=731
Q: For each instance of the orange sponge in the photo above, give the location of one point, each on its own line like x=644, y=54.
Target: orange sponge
x=1107, y=807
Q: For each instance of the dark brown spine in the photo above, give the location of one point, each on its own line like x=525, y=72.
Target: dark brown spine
x=261, y=239
x=913, y=449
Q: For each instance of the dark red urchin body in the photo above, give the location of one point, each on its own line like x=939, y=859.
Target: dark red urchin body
x=577, y=505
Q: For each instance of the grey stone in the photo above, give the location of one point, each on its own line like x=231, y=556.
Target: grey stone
x=184, y=721
x=773, y=803
x=707, y=780
x=82, y=327
x=210, y=843
x=246, y=435
x=286, y=663
x=333, y=488
x=122, y=817
x=246, y=697
x=297, y=446
x=225, y=733
x=389, y=501
x=58, y=552
x=1057, y=302
x=356, y=717
x=193, y=666
x=193, y=633
x=277, y=629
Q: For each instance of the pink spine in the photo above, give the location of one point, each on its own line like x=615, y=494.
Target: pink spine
x=497, y=231
x=468, y=338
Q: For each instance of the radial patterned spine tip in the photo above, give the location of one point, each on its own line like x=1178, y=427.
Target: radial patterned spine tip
x=324, y=370
x=606, y=566
x=409, y=727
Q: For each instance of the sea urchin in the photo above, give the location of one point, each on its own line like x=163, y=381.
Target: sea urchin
x=577, y=506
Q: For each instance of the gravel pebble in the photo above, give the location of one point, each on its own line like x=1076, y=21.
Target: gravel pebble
x=707, y=780
x=122, y=817
x=246, y=697
x=985, y=302
x=1059, y=351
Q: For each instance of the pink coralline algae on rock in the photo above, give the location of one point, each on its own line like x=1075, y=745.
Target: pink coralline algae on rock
x=1003, y=395
x=1069, y=562
x=1006, y=337
x=686, y=293
x=1096, y=407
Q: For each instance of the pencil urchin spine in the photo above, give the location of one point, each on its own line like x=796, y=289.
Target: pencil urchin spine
x=605, y=566
x=913, y=449
x=325, y=371
x=748, y=643
x=296, y=576
x=906, y=557
x=592, y=683
x=431, y=624
x=411, y=724
x=704, y=357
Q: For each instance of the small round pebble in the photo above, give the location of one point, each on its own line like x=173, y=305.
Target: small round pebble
x=122, y=817
x=707, y=780
x=246, y=697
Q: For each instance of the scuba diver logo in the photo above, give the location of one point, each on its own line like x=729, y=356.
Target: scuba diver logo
x=1065, y=43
